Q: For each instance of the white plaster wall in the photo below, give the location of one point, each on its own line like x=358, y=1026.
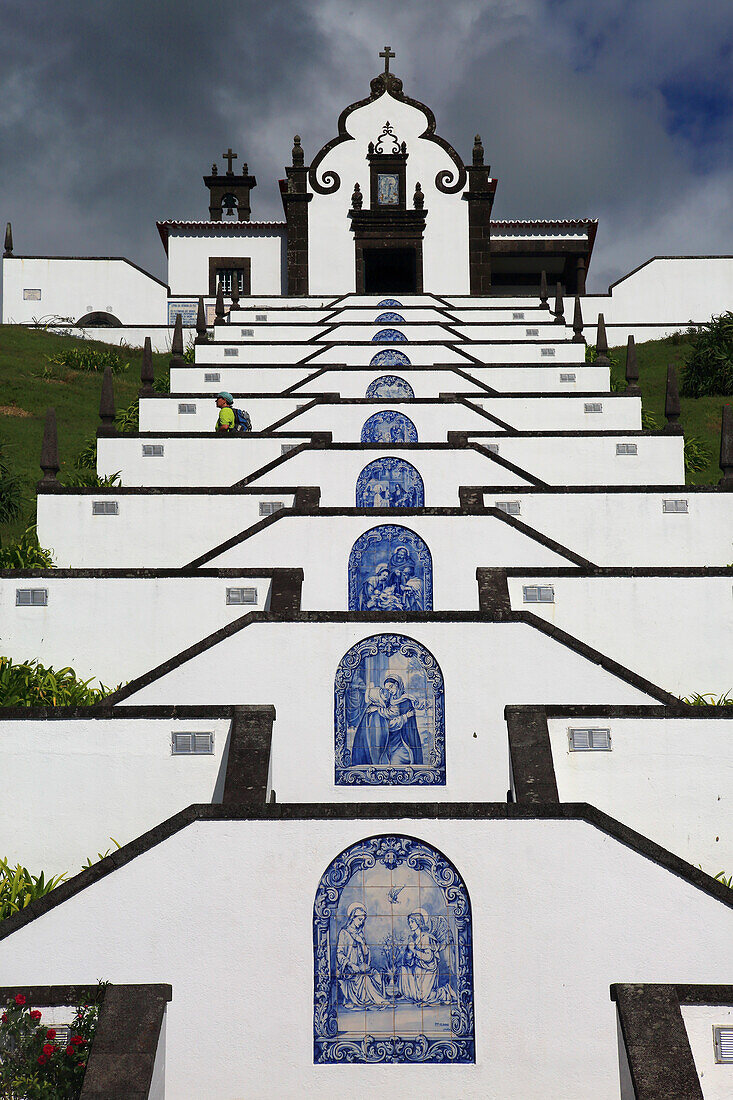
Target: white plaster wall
x=509, y=379
x=247, y=332
x=563, y=412
x=472, y=311
x=669, y=291
x=262, y=351
x=592, y=460
x=670, y=779
x=458, y=545
x=560, y=911
x=521, y=331
x=236, y=379
x=72, y=287
x=430, y=382
x=79, y=784
x=152, y=529
x=716, y=1080
x=356, y=313
x=330, y=240
x=160, y=414
x=526, y=352
x=292, y=666
x=189, y=251
x=676, y=631
x=631, y=528
x=341, y=332
x=278, y=311
x=115, y=628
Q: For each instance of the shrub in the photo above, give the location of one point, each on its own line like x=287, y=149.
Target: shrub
x=697, y=454
x=709, y=369
x=648, y=422
x=87, y=457
x=34, y=1066
x=26, y=553
x=31, y=684
x=90, y=479
x=162, y=384
x=89, y=360
x=189, y=355
x=128, y=420
x=11, y=490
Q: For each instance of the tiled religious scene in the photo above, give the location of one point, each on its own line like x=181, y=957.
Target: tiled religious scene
x=408, y=796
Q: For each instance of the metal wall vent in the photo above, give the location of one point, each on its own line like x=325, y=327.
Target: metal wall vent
x=192, y=744
x=626, y=449
x=231, y=352
x=153, y=450
x=547, y=353
x=538, y=593
x=593, y=407
x=285, y=448
x=531, y=332
x=260, y=316
x=105, y=508
x=493, y=447
x=31, y=597
x=567, y=377
x=517, y=316
x=589, y=740
x=267, y=507
x=248, y=332
x=241, y=595
x=212, y=378
x=511, y=507
x=674, y=505
x=723, y=1040
x=185, y=407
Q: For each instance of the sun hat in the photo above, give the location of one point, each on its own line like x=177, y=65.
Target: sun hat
x=226, y=396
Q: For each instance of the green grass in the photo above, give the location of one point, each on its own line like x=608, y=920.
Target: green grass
x=26, y=394
x=700, y=415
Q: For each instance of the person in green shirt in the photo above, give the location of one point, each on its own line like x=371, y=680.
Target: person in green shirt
x=224, y=402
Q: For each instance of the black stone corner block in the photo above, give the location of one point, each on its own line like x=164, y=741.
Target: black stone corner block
x=530, y=755
x=122, y=1056
x=471, y=498
x=307, y=498
x=286, y=590
x=657, y=1048
x=457, y=439
x=248, y=761
x=493, y=593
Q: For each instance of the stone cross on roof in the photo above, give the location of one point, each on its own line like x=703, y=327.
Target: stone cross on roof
x=387, y=53
x=229, y=156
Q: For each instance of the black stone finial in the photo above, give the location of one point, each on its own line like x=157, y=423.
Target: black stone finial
x=559, y=309
x=632, y=369
x=478, y=151
x=601, y=359
x=418, y=199
x=8, y=240
x=672, y=403
x=235, y=290
x=50, y=452
x=177, y=343
x=107, y=410
x=147, y=372
x=544, y=304
x=201, y=336
x=215, y=169
x=726, y=448
x=578, y=337
x=298, y=154
x=357, y=199
x=220, y=311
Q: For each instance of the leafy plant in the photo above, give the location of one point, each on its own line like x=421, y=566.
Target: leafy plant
x=26, y=553
x=87, y=457
x=709, y=700
x=34, y=1066
x=100, y=855
x=189, y=355
x=648, y=423
x=128, y=420
x=720, y=877
x=31, y=684
x=591, y=354
x=11, y=490
x=18, y=887
x=697, y=454
x=163, y=384
x=709, y=369
x=89, y=359
x=90, y=479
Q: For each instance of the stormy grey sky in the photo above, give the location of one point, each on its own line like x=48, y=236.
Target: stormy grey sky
x=111, y=110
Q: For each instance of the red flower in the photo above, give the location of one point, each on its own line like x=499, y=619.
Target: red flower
x=19, y=999
x=51, y=1034
x=35, y=1014
x=78, y=1040
x=41, y=1060
x=5, y=1017
x=48, y=1049
x=70, y=1050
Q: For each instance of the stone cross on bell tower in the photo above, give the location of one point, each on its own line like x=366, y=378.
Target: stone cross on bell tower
x=387, y=54
x=229, y=192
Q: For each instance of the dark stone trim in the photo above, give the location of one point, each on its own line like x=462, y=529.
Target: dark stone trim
x=171, y=490
x=244, y=262
x=530, y=756
x=677, y=710
x=275, y=572
x=493, y=593
x=285, y=591
x=623, y=571
x=248, y=760
x=657, y=1047
x=633, y=490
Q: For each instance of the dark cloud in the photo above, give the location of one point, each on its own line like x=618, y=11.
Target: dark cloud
x=113, y=109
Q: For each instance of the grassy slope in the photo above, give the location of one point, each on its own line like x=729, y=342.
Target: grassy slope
x=25, y=394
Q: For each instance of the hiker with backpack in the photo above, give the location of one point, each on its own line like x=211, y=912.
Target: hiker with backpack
x=231, y=419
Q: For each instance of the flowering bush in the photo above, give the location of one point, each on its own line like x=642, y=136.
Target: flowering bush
x=33, y=1065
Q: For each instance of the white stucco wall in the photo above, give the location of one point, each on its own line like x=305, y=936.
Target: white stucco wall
x=716, y=1080
x=189, y=251
x=560, y=911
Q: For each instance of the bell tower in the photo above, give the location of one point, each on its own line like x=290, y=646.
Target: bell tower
x=229, y=192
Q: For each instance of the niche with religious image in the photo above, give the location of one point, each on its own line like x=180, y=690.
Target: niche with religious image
x=393, y=957
x=389, y=385
x=390, y=569
x=389, y=483
x=389, y=357
x=389, y=426
x=389, y=714
x=389, y=336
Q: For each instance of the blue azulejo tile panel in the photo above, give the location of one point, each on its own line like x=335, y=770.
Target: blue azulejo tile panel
x=389, y=303
x=389, y=357
x=389, y=427
x=389, y=714
x=389, y=385
x=389, y=336
x=389, y=319
x=390, y=569
x=393, y=957
x=389, y=483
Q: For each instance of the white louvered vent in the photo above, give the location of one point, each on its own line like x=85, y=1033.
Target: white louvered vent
x=212, y=377
x=267, y=507
x=285, y=448
x=231, y=352
x=674, y=505
x=547, y=353
x=105, y=508
x=531, y=332
x=567, y=377
x=241, y=595
x=626, y=449
x=192, y=744
x=723, y=1039
x=511, y=507
x=186, y=407
x=153, y=450
x=31, y=597
x=493, y=447
x=248, y=333
x=589, y=740
x=260, y=316
x=517, y=316
x=538, y=593
x=593, y=407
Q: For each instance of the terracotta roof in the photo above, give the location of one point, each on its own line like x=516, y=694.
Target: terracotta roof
x=233, y=228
